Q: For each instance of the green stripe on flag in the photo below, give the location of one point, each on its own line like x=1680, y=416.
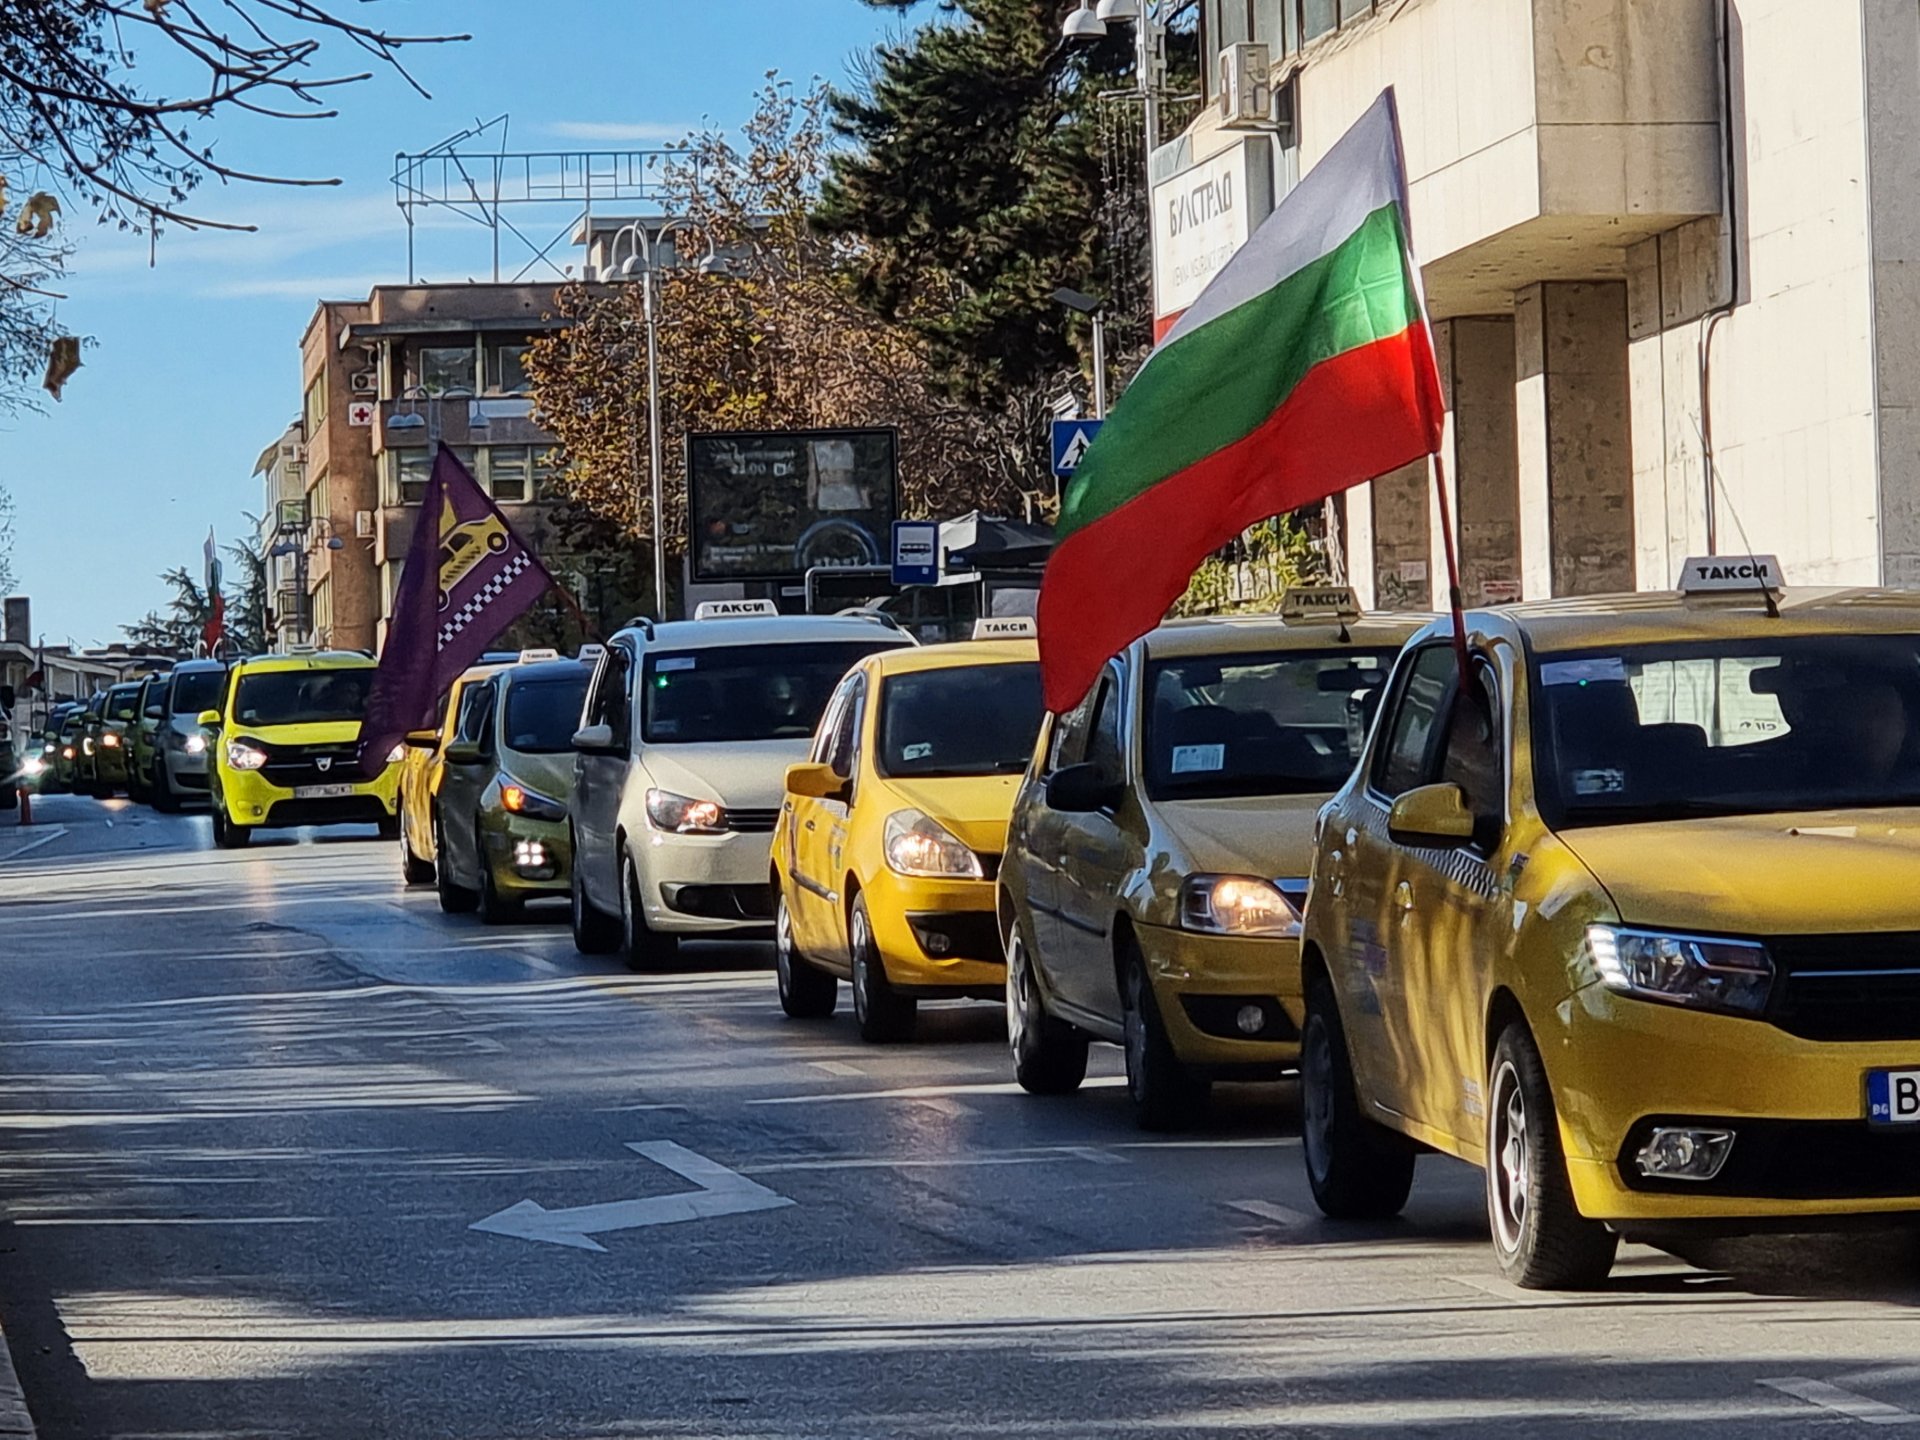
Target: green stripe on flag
x=1219, y=384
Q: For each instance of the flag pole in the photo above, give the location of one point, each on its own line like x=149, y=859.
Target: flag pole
x=1454, y=600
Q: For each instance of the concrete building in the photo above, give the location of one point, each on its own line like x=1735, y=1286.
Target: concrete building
x=284, y=523
x=1662, y=240
x=447, y=361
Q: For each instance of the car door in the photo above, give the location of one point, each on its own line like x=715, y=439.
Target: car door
x=599, y=779
x=823, y=832
x=813, y=894
x=1095, y=851
x=1378, y=893
x=457, y=799
x=1038, y=837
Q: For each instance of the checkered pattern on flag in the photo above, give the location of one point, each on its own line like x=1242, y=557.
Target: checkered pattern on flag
x=467, y=577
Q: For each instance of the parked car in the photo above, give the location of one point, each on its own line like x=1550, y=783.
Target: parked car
x=86, y=760
x=181, y=745
x=64, y=729
x=144, y=738
x=112, y=736
x=681, y=766
x=1158, y=858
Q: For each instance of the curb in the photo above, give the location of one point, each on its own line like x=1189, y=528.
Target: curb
x=15, y=1422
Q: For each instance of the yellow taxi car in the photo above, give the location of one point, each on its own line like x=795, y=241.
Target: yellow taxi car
x=421, y=767
x=286, y=748
x=890, y=836
x=1628, y=921
x=1158, y=857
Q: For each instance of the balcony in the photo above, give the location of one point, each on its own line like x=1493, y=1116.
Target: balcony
x=486, y=420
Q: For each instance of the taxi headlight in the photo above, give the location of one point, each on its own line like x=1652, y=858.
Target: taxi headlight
x=195, y=745
x=1706, y=973
x=518, y=800
x=242, y=756
x=918, y=844
x=34, y=765
x=684, y=816
x=1236, y=905
x=397, y=753
x=110, y=741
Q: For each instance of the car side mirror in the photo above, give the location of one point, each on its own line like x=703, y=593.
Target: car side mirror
x=818, y=782
x=464, y=754
x=423, y=740
x=156, y=712
x=1081, y=790
x=209, y=720
x=595, y=740
x=1431, y=815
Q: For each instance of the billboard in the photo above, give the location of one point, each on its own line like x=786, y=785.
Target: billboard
x=773, y=505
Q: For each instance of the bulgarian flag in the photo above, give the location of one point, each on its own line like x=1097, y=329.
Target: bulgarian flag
x=1305, y=368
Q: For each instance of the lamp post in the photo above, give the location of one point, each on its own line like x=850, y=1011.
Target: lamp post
x=641, y=261
x=1090, y=22
x=1084, y=304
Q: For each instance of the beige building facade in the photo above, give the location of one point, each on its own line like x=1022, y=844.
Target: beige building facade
x=1668, y=246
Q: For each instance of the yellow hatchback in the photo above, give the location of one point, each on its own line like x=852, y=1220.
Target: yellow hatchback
x=890, y=837
x=1629, y=921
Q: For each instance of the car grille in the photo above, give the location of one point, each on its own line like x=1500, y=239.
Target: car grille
x=752, y=822
x=1864, y=986
x=291, y=765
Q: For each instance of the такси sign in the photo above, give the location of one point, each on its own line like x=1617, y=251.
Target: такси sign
x=774, y=505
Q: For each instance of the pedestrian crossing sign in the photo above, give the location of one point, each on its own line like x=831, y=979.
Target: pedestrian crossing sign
x=1070, y=441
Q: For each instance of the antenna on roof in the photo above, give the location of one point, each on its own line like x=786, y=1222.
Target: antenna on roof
x=1715, y=480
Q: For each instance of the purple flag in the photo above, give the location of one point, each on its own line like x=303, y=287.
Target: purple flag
x=465, y=580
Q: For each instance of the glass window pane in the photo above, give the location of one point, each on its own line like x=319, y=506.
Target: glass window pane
x=413, y=468
x=507, y=369
x=1321, y=16
x=1402, y=762
x=1352, y=10
x=507, y=472
x=1276, y=24
x=1230, y=23
x=444, y=368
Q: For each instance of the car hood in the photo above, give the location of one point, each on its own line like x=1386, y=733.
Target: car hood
x=975, y=808
x=1266, y=835
x=550, y=775
x=740, y=776
x=1812, y=872
x=333, y=732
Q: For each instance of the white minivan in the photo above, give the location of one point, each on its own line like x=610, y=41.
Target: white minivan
x=681, y=763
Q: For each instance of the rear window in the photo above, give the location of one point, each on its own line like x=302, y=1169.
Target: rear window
x=542, y=715
x=198, y=690
x=727, y=694
x=980, y=720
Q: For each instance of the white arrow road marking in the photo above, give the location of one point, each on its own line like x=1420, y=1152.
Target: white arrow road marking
x=1267, y=1210
x=1844, y=1402
x=722, y=1192
x=58, y=832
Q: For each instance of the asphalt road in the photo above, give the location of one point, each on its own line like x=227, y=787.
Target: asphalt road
x=253, y=1106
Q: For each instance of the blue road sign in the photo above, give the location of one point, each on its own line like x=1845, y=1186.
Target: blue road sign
x=916, y=552
x=1070, y=441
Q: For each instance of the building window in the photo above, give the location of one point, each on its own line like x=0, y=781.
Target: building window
x=1352, y=10
x=509, y=468
x=322, y=610
x=507, y=369
x=1276, y=24
x=1319, y=16
x=316, y=404
x=447, y=368
x=320, y=498
x=410, y=470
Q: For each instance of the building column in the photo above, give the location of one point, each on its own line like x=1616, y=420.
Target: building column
x=1575, y=477
x=1403, y=576
x=1476, y=370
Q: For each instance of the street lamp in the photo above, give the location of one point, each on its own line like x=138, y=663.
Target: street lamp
x=1083, y=304
x=1149, y=36
x=641, y=262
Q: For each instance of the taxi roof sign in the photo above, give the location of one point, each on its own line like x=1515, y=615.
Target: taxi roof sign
x=1707, y=574
x=1006, y=627
x=591, y=653
x=534, y=655
x=1320, y=604
x=733, y=609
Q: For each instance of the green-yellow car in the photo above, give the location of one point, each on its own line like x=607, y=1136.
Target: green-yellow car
x=500, y=814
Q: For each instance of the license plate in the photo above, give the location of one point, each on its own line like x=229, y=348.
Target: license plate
x=322, y=792
x=1893, y=1097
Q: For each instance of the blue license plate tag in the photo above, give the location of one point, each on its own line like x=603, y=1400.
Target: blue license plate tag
x=1893, y=1097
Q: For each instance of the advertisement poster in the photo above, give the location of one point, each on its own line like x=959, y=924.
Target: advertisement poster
x=774, y=505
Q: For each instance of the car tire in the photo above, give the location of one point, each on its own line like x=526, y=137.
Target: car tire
x=1358, y=1170
x=413, y=870
x=390, y=827
x=885, y=1016
x=164, y=798
x=455, y=899
x=806, y=991
x=1542, y=1240
x=1166, y=1093
x=226, y=834
x=645, y=948
x=594, y=931
x=1049, y=1055
x=495, y=908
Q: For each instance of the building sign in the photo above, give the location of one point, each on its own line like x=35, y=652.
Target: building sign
x=1201, y=216
x=772, y=506
x=360, y=412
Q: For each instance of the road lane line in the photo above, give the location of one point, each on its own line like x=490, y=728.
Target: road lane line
x=1843, y=1402
x=1267, y=1210
x=927, y=1092
x=837, y=1067
x=58, y=832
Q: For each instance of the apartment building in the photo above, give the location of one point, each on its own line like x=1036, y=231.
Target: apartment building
x=1668, y=248
x=283, y=536
x=385, y=380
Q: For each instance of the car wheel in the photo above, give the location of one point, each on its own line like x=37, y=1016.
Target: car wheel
x=226, y=834
x=495, y=908
x=883, y=1014
x=1049, y=1055
x=390, y=827
x=455, y=898
x=645, y=947
x=594, y=931
x=806, y=991
x=1358, y=1170
x=1542, y=1240
x=413, y=870
x=1166, y=1093
x=164, y=800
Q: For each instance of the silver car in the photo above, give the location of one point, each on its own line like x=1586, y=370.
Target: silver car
x=180, y=756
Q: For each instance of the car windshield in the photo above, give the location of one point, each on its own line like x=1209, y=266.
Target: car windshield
x=302, y=697
x=1733, y=727
x=1287, y=722
x=974, y=720
x=198, y=690
x=733, y=693
x=123, y=702
x=542, y=715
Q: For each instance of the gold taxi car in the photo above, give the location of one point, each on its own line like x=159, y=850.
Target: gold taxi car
x=421, y=768
x=1158, y=857
x=1628, y=921
x=888, y=842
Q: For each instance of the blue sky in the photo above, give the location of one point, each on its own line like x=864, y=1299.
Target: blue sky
x=197, y=366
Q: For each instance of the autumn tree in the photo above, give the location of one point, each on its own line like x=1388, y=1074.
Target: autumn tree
x=769, y=335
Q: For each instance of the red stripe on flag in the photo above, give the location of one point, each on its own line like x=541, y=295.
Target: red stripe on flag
x=1351, y=419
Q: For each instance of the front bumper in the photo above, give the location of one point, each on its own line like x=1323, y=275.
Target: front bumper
x=1202, y=982
x=253, y=801
x=698, y=885
x=110, y=765
x=937, y=935
x=1618, y=1064
x=528, y=857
